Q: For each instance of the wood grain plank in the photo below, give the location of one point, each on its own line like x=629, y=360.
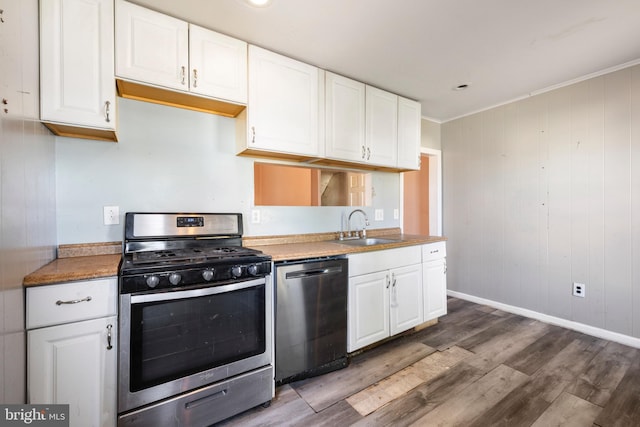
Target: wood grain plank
x=424, y=398
x=604, y=373
x=623, y=408
x=531, y=358
x=568, y=411
x=519, y=334
x=525, y=404
x=393, y=387
x=365, y=369
x=475, y=399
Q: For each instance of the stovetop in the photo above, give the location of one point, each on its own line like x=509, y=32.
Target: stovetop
x=170, y=251
x=190, y=255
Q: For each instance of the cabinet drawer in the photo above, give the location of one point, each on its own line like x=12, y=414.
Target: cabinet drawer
x=370, y=262
x=71, y=302
x=433, y=251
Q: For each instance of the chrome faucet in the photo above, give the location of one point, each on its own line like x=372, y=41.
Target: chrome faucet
x=366, y=222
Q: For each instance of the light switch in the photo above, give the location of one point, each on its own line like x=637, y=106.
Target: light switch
x=379, y=214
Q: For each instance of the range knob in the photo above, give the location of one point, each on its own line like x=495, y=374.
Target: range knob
x=236, y=271
x=152, y=281
x=253, y=269
x=208, y=274
x=174, y=278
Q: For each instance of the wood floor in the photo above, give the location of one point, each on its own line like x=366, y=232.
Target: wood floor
x=477, y=367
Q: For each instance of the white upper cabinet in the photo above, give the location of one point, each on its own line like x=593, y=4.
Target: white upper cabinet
x=381, y=127
x=218, y=65
x=156, y=49
x=19, y=84
x=370, y=126
x=344, y=118
x=409, y=123
x=151, y=47
x=283, y=105
x=76, y=64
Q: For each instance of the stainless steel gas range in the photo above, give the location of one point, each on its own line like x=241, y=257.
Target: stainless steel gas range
x=195, y=321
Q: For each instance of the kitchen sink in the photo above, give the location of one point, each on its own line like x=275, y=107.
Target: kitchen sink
x=369, y=241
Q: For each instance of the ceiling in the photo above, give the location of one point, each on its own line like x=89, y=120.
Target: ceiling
x=423, y=49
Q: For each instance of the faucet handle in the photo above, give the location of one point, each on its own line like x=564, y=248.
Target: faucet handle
x=364, y=232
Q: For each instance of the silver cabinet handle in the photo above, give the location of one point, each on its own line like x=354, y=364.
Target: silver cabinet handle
x=4, y=100
x=435, y=252
x=388, y=282
x=364, y=152
x=182, y=75
x=109, y=346
x=73, y=301
x=368, y=153
x=107, y=106
x=253, y=134
x=1, y=18
x=195, y=78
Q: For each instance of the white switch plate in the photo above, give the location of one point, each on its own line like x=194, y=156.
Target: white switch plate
x=255, y=216
x=111, y=215
x=379, y=214
x=396, y=214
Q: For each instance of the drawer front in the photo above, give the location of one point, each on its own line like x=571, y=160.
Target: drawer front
x=371, y=262
x=434, y=251
x=71, y=302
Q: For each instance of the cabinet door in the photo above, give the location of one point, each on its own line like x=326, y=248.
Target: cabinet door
x=283, y=104
x=405, y=298
x=73, y=364
x=381, y=127
x=344, y=115
x=409, y=132
x=218, y=65
x=434, y=279
x=368, y=309
x=76, y=61
x=151, y=47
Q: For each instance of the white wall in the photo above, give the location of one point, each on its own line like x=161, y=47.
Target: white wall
x=169, y=159
x=430, y=134
x=544, y=192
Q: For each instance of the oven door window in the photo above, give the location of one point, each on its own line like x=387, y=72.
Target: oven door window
x=175, y=338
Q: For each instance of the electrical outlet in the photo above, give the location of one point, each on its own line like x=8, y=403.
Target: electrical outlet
x=111, y=215
x=255, y=216
x=579, y=289
x=379, y=214
x=396, y=214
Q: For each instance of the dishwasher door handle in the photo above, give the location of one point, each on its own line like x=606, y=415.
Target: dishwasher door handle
x=301, y=274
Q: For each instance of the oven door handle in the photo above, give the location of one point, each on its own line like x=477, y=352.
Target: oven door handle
x=194, y=293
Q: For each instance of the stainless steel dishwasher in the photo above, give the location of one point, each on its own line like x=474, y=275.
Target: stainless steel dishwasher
x=311, y=317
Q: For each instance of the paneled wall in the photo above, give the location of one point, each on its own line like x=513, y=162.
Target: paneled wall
x=544, y=192
x=27, y=186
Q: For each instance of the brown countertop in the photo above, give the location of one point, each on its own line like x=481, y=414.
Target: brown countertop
x=302, y=250
x=74, y=268
x=96, y=260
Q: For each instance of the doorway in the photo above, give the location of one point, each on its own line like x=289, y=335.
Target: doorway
x=422, y=199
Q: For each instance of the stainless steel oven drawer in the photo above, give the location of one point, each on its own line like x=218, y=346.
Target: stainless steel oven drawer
x=207, y=405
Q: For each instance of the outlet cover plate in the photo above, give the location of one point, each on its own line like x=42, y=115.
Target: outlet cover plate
x=379, y=214
x=111, y=215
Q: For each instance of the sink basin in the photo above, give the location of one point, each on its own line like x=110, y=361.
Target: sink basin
x=369, y=241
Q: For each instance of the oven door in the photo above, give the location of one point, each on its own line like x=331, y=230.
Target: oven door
x=178, y=341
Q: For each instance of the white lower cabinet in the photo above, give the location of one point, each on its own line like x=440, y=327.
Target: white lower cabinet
x=385, y=294
x=74, y=363
x=434, y=280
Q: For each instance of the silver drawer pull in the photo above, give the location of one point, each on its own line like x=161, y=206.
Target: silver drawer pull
x=435, y=252
x=109, y=346
x=73, y=301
